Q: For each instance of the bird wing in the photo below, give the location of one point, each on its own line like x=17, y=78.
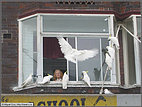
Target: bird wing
x=108, y=92
x=111, y=51
x=87, y=79
x=46, y=79
x=65, y=81
x=82, y=55
x=108, y=61
x=27, y=81
x=64, y=45
x=65, y=78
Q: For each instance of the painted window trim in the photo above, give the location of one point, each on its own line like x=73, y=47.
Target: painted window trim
x=136, y=52
x=40, y=36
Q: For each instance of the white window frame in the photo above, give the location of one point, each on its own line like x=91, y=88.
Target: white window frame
x=136, y=54
x=136, y=49
x=41, y=34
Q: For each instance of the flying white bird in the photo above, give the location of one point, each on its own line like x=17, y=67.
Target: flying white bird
x=28, y=81
x=73, y=54
x=114, y=40
x=106, y=91
x=86, y=78
x=65, y=80
x=46, y=79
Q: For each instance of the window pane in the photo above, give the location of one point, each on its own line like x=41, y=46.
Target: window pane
x=29, y=47
x=75, y=24
x=72, y=66
x=131, y=60
x=139, y=25
x=89, y=64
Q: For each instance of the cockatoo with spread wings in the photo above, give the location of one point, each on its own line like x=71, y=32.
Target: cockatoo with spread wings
x=65, y=80
x=72, y=54
x=114, y=40
x=86, y=78
x=46, y=79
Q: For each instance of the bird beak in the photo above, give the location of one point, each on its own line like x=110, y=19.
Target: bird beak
x=48, y=74
x=81, y=78
x=86, y=71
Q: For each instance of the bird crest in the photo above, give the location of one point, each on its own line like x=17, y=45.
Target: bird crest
x=65, y=72
x=86, y=71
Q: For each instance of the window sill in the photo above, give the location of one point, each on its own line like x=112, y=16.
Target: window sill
x=70, y=84
x=78, y=84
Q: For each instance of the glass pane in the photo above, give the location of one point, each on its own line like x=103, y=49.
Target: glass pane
x=75, y=24
x=131, y=60
x=53, y=57
x=72, y=66
x=139, y=25
x=29, y=47
x=104, y=43
x=89, y=64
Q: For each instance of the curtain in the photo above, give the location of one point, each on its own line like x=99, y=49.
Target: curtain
x=51, y=48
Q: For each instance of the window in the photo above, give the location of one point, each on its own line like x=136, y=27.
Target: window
x=28, y=52
x=131, y=52
x=41, y=55
x=75, y=24
x=53, y=58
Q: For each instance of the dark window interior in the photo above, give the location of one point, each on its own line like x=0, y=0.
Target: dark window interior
x=53, y=57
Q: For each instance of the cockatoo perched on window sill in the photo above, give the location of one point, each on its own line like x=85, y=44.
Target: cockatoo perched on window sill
x=73, y=54
x=65, y=80
x=114, y=40
x=86, y=78
x=28, y=81
x=46, y=79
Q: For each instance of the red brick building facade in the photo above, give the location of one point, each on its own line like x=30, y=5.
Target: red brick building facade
x=12, y=11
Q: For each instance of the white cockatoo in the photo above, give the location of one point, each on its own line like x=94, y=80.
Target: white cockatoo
x=46, y=79
x=109, y=56
x=106, y=91
x=114, y=40
x=108, y=61
x=111, y=51
x=65, y=80
x=28, y=81
x=86, y=78
x=73, y=54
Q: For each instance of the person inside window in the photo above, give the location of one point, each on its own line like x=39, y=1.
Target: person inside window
x=58, y=75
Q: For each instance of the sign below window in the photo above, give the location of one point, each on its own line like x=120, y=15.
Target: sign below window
x=61, y=100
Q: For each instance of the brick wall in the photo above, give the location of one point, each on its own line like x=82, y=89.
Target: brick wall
x=9, y=46
x=12, y=10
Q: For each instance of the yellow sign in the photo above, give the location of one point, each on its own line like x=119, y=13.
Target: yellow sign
x=62, y=100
